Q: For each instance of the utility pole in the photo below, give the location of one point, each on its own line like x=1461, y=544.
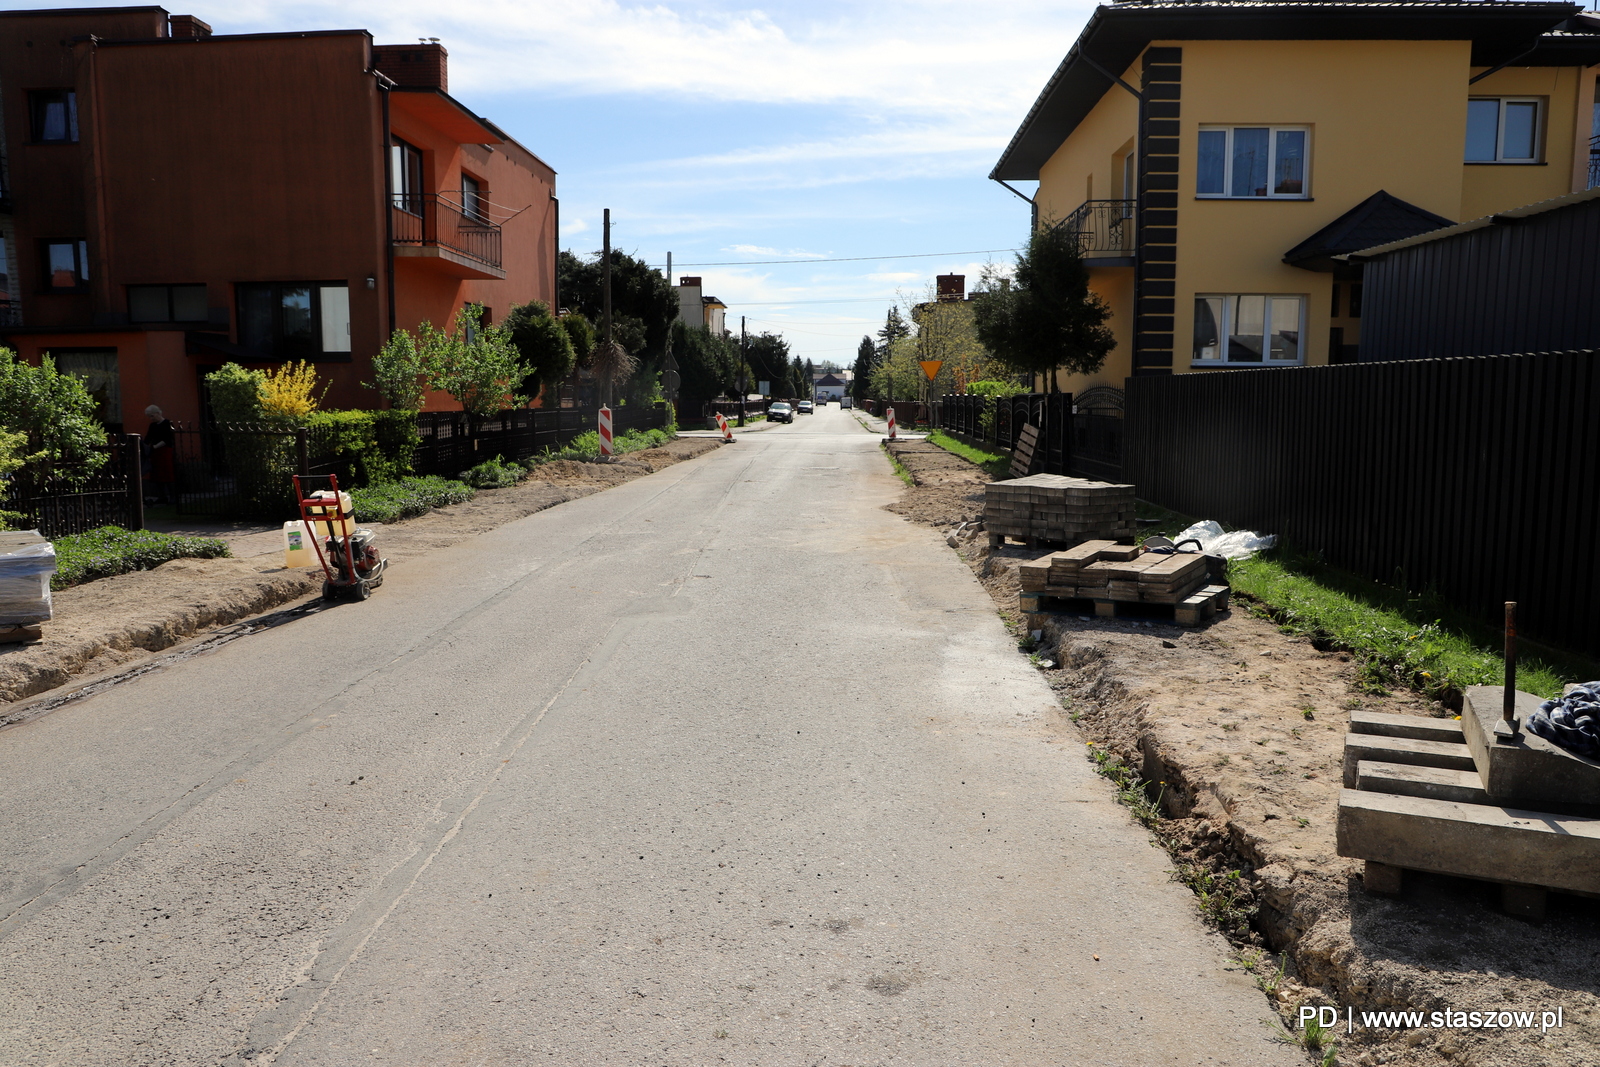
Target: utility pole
x=744, y=361
x=605, y=301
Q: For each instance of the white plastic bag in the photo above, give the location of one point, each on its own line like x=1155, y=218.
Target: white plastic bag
x=1214, y=541
x=25, y=571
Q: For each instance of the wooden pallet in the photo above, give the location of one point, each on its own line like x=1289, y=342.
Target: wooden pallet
x=20, y=635
x=1199, y=606
x=1414, y=800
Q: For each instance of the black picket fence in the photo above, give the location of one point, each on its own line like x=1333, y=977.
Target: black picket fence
x=1088, y=446
x=1473, y=478
x=63, y=502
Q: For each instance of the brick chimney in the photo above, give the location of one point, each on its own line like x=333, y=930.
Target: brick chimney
x=416, y=66
x=952, y=287
x=188, y=26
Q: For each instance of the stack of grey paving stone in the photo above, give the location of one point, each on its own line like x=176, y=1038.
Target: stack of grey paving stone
x=1058, y=509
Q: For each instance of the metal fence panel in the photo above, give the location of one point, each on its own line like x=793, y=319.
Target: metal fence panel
x=61, y=503
x=1474, y=477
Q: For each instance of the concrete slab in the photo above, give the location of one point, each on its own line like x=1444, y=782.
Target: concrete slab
x=1472, y=840
x=1406, y=750
x=1413, y=726
x=1530, y=772
x=1435, y=783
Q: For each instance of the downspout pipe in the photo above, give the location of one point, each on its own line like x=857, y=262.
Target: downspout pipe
x=384, y=85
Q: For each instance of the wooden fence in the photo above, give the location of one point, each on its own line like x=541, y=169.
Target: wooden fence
x=1476, y=478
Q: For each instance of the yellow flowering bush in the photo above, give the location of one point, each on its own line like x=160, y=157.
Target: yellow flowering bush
x=290, y=391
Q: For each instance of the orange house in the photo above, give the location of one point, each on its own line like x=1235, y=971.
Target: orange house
x=173, y=200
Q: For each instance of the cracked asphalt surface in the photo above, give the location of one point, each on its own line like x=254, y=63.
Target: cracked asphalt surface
x=723, y=765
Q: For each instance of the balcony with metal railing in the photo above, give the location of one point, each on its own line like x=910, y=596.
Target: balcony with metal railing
x=1104, y=229
x=457, y=241
x=10, y=313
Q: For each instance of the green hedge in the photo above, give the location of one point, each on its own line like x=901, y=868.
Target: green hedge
x=112, y=550
x=406, y=498
x=365, y=447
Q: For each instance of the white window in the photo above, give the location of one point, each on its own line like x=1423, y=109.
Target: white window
x=1503, y=129
x=1250, y=329
x=335, y=315
x=1252, y=161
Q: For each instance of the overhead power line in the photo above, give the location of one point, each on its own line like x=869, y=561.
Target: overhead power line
x=845, y=259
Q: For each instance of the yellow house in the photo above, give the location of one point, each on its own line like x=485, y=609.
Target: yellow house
x=1214, y=157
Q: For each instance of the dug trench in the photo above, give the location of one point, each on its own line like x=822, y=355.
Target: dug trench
x=1229, y=740
x=117, y=627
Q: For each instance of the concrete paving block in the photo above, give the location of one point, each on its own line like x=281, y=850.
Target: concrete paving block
x=1530, y=772
x=1435, y=783
x=1471, y=840
x=1413, y=726
x=1407, y=750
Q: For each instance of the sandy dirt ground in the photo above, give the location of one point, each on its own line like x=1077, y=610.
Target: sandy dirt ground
x=112, y=624
x=1239, y=728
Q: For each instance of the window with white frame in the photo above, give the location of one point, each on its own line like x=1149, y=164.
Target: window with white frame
x=1253, y=328
x=1503, y=129
x=1254, y=161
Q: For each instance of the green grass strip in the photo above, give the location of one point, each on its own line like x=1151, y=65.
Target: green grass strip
x=998, y=464
x=111, y=550
x=899, y=468
x=1415, y=641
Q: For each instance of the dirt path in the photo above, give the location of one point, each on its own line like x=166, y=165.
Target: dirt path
x=1241, y=728
x=114, y=623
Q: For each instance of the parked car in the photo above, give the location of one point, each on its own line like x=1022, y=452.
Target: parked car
x=806, y=407
x=780, y=412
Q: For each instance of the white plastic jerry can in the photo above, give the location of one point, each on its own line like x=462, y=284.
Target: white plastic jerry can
x=296, y=546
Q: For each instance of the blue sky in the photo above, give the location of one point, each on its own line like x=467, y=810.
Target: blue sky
x=726, y=132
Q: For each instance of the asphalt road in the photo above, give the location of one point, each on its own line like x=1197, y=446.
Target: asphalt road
x=723, y=765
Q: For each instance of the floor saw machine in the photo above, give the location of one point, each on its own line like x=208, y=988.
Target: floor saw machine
x=348, y=554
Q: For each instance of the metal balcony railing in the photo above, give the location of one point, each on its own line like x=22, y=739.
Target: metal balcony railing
x=1103, y=227
x=431, y=220
x=10, y=313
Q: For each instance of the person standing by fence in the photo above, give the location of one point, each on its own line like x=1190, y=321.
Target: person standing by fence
x=163, y=445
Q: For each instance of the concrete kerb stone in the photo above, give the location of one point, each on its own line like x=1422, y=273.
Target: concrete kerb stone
x=1529, y=772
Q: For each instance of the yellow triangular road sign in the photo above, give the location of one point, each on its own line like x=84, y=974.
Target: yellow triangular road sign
x=930, y=367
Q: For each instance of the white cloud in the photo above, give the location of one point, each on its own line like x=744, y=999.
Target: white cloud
x=771, y=253
x=956, y=62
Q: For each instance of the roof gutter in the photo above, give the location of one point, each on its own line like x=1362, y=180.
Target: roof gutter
x=1032, y=203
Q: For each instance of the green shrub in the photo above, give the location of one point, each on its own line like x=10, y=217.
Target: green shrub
x=55, y=414
x=112, y=550
x=493, y=473
x=406, y=498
